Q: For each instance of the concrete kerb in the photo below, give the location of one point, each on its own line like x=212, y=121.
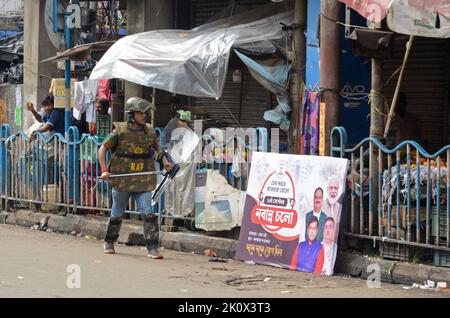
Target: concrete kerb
x=3, y=216
x=354, y=265
x=390, y=271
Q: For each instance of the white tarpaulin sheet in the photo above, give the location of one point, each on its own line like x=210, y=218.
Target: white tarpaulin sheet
x=193, y=62
x=428, y=18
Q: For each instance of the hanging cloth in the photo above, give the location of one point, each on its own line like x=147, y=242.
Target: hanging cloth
x=310, y=123
x=84, y=97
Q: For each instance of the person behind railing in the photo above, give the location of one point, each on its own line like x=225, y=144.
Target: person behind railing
x=53, y=119
x=404, y=125
x=133, y=145
x=102, y=127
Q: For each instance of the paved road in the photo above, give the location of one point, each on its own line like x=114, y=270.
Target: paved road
x=34, y=264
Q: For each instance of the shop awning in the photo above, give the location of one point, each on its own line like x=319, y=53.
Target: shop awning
x=194, y=62
x=428, y=18
x=81, y=52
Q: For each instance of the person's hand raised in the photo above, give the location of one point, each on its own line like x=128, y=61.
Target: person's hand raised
x=30, y=106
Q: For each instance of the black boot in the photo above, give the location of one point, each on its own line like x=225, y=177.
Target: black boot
x=112, y=234
x=151, y=236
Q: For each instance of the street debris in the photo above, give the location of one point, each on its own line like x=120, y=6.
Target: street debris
x=413, y=286
x=429, y=284
x=210, y=253
x=184, y=290
x=220, y=268
x=218, y=260
x=286, y=292
x=267, y=279
x=89, y=237
x=20, y=277
x=442, y=285
x=73, y=233
x=250, y=262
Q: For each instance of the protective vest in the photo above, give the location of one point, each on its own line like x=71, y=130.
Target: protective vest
x=133, y=154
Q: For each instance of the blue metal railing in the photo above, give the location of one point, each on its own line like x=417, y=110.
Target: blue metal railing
x=52, y=170
x=402, y=199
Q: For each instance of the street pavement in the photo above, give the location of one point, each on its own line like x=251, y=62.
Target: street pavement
x=41, y=264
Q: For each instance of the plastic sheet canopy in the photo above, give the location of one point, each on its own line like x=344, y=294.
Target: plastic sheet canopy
x=192, y=63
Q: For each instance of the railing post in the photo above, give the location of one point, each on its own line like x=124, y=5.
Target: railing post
x=5, y=132
x=339, y=134
x=73, y=171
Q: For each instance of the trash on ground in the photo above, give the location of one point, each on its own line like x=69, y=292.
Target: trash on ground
x=431, y=284
x=250, y=262
x=442, y=285
x=412, y=286
x=218, y=260
x=210, y=253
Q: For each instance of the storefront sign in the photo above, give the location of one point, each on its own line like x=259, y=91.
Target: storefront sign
x=59, y=92
x=280, y=226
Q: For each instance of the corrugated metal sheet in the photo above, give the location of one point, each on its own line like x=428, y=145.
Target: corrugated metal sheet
x=425, y=84
x=206, y=9
x=255, y=98
x=255, y=101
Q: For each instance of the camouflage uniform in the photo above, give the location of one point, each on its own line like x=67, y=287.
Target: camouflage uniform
x=133, y=151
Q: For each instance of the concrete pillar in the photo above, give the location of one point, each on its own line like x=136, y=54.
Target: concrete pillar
x=376, y=119
x=37, y=47
x=299, y=72
x=330, y=64
x=146, y=15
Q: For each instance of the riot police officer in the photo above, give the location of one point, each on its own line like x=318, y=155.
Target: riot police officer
x=134, y=146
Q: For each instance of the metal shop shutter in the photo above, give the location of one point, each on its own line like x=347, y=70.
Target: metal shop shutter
x=255, y=101
x=206, y=9
x=425, y=84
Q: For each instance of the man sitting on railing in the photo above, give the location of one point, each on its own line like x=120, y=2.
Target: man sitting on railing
x=53, y=119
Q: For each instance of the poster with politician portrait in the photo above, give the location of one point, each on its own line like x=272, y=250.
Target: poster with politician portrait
x=292, y=212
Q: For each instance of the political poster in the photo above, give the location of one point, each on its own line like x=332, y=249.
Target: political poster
x=292, y=212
